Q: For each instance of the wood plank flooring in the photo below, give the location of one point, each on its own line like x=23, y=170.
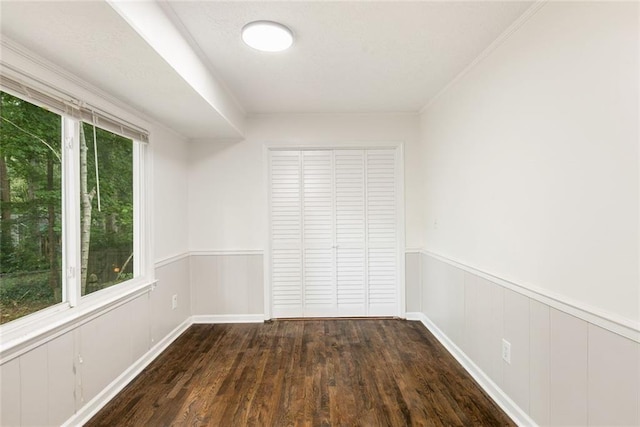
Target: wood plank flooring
x=315, y=372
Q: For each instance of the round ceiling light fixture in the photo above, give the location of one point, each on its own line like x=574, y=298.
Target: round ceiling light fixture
x=267, y=36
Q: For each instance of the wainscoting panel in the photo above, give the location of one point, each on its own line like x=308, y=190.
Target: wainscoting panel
x=33, y=396
x=173, y=279
x=227, y=284
x=564, y=370
x=413, y=280
x=98, y=340
x=539, y=362
x=483, y=325
x=61, y=382
x=568, y=370
x=444, y=296
x=516, y=332
x=64, y=379
x=613, y=373
x=10, y=393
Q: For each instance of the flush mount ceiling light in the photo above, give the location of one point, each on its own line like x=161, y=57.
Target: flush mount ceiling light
x=267, y=36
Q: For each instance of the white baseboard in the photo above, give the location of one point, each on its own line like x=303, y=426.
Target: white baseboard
x=94, y=405
x=228, y=318
x=514, y=412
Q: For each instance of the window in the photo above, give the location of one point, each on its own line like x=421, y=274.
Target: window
x=30, y=210
x=70, y=207
x=106, y=207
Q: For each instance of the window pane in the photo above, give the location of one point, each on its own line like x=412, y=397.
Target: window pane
x=30, y=208
x=106, y=198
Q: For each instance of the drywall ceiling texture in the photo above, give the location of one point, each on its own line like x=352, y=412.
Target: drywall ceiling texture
x=347, y=56
x=531, y=160
x=90, y=40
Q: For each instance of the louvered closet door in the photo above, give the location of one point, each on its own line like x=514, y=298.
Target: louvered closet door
x=318, y=228
x=334, y=243
x=382, y=240
x=350, y=232
x=286, y=233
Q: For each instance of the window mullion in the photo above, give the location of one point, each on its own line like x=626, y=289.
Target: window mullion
x=143, y=264
x=71, y=211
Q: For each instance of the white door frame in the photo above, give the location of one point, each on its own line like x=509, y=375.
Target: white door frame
x=400, y=204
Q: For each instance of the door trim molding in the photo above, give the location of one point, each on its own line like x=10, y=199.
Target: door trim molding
x=398, y=146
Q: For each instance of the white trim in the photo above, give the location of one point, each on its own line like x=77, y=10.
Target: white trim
x=227, y=318
x=320, y=114
x=615, y=323
x=266, y=259
x=71, y=253
x=223, y=252
x=506, y=34
x=109, y=392
x=342, y=145
x=18, y=341
x=171, y=259
x=514, y=412
x=143, y=213
x=401, y=293
x=413, y=250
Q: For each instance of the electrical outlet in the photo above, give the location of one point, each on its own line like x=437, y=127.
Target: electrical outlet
x=174, y=302
x=506, y=351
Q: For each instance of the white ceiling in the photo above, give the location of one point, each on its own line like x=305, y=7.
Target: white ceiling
x=348, y=56
x=89, y=39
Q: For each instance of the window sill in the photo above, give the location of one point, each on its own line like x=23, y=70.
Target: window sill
x=18, y=339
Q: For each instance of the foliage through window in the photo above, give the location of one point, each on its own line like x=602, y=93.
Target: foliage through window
x=30, y=214
x=106, y=200
x=33, y=190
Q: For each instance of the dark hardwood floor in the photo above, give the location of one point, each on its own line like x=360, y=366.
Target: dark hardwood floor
x=312, y=372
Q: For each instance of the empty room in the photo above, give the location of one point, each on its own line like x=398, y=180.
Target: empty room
x=323, y=213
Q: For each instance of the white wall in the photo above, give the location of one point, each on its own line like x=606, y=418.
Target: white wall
x=531, y=201
x=170, y=231
x=227, y=200
x=228, y=203
x=531, y=159
x=170, y=228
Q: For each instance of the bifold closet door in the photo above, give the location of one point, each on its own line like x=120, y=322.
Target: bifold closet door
x=286, y=233
x=382, y=233
x=318, y=269
x=333, y=225
x=351, y=272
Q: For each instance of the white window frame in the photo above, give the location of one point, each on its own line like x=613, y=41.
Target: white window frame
x=20, y=335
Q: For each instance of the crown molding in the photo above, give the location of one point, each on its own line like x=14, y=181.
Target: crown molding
x=503, y=37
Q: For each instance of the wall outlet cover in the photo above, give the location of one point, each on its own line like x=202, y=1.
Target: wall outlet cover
x=506, y=351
